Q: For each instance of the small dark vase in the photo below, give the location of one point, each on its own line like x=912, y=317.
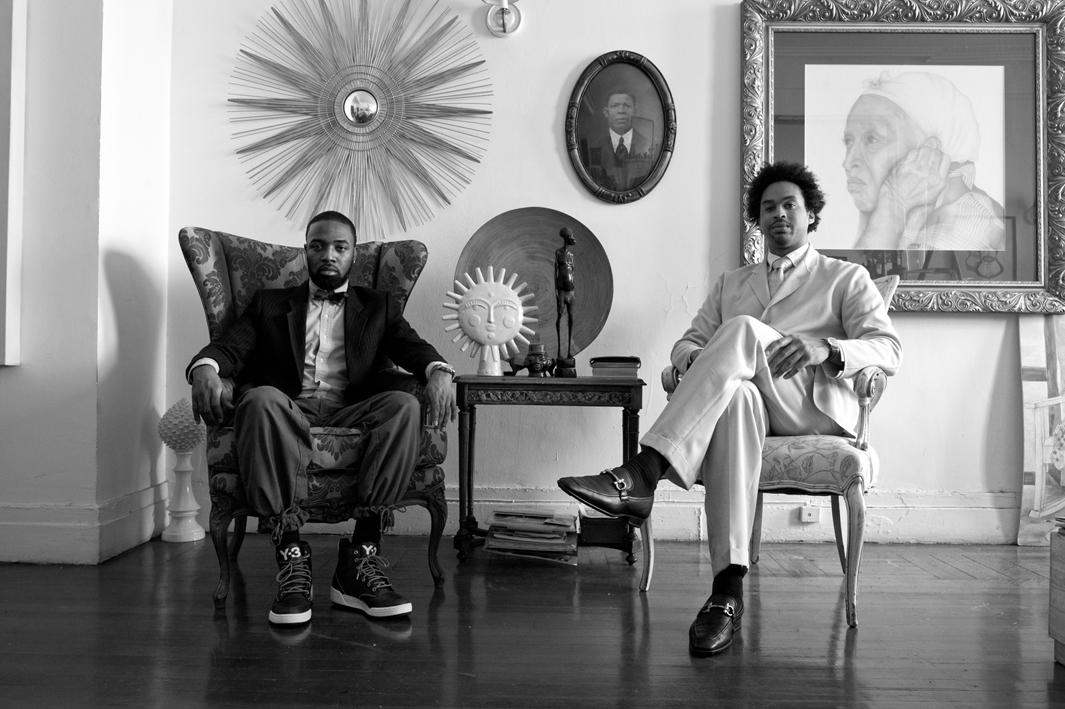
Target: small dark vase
x=539, y=364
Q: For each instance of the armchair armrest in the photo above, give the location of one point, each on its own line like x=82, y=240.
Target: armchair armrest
x=670, y=380
x=869, y=385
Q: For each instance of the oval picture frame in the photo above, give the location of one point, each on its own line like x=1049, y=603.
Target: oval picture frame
x=629, y=172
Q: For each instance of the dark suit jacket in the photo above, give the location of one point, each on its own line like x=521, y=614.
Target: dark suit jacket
x=604, y=167
x=265, y=346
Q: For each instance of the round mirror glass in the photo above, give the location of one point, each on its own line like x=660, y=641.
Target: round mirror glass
x=360, y=106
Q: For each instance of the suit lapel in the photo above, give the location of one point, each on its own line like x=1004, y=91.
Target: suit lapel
x=758, y=282
x=354, y=324
x=297, y=325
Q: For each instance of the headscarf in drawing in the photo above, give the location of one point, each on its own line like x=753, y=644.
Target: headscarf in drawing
x=936, y=106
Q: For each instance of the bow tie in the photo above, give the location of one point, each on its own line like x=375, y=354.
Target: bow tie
x=330, y=295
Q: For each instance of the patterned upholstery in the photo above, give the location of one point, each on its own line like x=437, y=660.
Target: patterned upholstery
x=227, y=271
x=815, y=465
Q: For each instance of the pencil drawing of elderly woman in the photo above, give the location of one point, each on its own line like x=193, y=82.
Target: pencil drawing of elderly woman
x=912, y=143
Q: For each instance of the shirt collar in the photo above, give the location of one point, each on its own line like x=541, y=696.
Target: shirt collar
x=615, y=137
x=794, y=256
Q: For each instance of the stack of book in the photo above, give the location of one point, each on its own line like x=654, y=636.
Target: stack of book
x=614, y=366
x=533, y=534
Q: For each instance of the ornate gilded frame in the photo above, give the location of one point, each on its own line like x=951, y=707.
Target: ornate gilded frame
x=766, y=21
x=583, y=105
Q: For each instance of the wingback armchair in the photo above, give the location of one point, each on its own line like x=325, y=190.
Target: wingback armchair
x=841, y=468
x=227, y=271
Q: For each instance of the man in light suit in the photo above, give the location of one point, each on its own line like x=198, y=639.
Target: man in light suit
x=306, y=356
x=620, y=157
x=768, y=352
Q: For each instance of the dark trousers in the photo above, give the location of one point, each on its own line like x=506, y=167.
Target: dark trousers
x=274, y=448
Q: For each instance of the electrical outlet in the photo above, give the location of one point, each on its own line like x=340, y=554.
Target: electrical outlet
x=809, y=514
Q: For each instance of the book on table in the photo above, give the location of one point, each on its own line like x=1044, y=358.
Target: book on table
x=614, y=366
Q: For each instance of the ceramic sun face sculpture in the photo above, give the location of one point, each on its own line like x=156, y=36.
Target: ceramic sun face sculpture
x=491, y=317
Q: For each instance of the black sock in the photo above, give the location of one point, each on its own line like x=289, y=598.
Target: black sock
x=649, y=464
x=289, y=536
x=367, y=530
x=730, y=581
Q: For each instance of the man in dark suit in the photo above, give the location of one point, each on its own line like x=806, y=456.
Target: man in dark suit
x=620, y=157
x=305, y=356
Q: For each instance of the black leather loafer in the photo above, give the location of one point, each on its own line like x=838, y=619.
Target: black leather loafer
x=711, y=631
x=615, y=492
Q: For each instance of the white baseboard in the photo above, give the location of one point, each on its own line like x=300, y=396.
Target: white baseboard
x=81, y=534
x=892, y=516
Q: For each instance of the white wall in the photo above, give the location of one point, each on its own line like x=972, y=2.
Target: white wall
x=132, y=267
x=949, y=435
x=48, y=404
x=80, y=471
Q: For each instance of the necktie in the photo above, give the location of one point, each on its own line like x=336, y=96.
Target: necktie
x=331, y=296
x=777, y=272
x=621, y=152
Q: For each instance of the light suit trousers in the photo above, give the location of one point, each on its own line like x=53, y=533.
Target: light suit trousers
x=713, y=428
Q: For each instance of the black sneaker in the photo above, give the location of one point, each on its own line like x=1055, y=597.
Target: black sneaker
x=360, y=582
x=292, y=605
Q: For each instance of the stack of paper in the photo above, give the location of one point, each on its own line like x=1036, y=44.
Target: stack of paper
x=534, y=534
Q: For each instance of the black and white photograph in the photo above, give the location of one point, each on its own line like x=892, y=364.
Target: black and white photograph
x=620, y=126
x=511, y=354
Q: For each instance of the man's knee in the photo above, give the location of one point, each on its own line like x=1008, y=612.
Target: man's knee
x=260, y=398
x=400, y=406
x=746, y=328
x=743, y=323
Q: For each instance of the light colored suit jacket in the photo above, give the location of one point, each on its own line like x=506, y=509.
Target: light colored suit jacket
x=821, y=297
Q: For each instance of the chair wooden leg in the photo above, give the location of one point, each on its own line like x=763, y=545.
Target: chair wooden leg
x=754, y=549
x=436, y=504
x=221, y=516
x=240, y=528
x=856, y=535
x=838, y=527
x=647, y=542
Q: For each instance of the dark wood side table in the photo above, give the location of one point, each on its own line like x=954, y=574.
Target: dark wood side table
x=625, y=393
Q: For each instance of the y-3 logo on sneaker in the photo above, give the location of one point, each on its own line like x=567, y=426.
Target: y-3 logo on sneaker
x=291, y=553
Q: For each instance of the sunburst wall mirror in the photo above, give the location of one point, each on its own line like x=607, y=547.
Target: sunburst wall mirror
x=376, y=108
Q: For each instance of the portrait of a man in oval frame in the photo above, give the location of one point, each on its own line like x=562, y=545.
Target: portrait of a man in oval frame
x=620, y=127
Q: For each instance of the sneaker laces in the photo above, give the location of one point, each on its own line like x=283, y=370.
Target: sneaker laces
x=371, y=570
x=294, y=577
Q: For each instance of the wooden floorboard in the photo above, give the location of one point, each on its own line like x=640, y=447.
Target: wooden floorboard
x=938, y=626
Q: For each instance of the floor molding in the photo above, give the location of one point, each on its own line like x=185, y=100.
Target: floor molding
x=81, y=534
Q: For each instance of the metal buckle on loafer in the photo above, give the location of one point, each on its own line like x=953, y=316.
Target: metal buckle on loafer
x=619, y=483
x=728, y=607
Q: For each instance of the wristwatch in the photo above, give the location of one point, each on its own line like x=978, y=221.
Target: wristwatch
x=442, y=367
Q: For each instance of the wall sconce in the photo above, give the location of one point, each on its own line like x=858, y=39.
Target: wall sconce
x=503, y=18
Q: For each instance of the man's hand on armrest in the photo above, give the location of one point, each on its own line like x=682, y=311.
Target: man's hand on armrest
x=212, y=400
x=440, y=394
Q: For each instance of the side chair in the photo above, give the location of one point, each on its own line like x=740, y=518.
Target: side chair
x=841, y=468
x=227, y=271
